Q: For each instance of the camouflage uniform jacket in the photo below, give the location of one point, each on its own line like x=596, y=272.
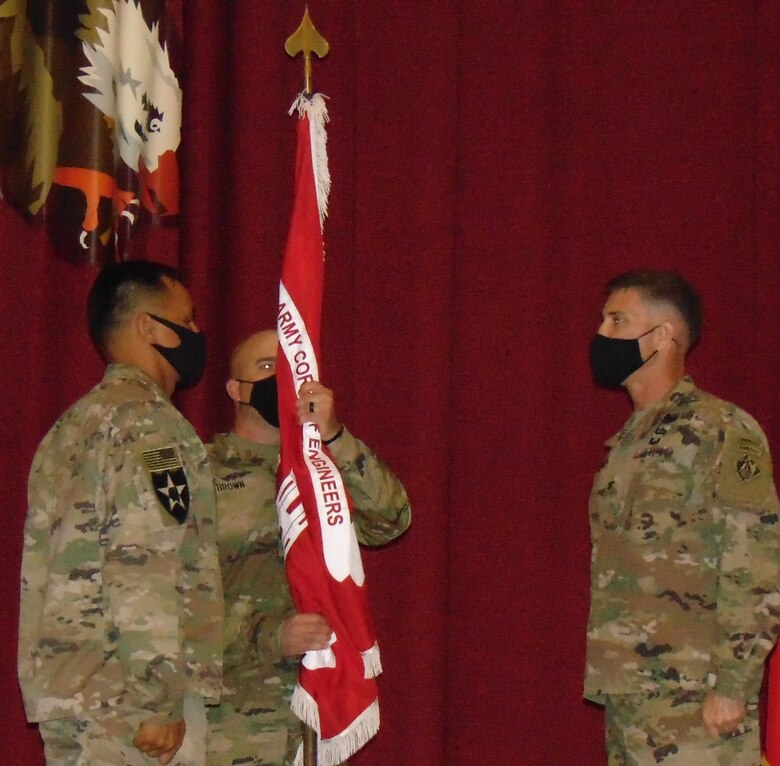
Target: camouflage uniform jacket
x=685, y=559
x=257, y=596
x=121, y=601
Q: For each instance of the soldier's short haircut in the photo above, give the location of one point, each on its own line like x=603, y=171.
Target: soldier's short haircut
x=664, y=287
x=116, y=292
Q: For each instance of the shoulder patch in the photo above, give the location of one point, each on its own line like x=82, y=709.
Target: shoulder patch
x=747, y=468
x=745, y=471
x=169, y=480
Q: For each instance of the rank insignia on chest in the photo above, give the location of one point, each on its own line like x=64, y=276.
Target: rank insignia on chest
x=747, y=468
x=169, y=481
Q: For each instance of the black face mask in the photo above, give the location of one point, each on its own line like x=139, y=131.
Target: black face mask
x=188, y=358
x=264, y=398
x=612, y=360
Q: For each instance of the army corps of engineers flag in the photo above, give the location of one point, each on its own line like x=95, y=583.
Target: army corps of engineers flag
x=772, y=725
x=336, y=693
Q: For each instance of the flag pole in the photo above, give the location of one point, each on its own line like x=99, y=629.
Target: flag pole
x=307, y=40
x=309, y=746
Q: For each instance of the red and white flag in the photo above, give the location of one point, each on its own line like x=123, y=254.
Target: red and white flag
x=772, y=733
x=336, y=692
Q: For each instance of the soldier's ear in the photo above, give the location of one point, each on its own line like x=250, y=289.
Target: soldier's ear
x=145, y=326
x=232, y=388
x=666, y=332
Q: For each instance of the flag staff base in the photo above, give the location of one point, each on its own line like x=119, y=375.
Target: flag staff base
x=309, y=746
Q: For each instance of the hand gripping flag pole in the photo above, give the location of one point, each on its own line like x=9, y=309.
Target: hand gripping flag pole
x=336, y=694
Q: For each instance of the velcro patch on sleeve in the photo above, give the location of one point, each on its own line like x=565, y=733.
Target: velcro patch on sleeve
x=745, y=471
x=166, y=472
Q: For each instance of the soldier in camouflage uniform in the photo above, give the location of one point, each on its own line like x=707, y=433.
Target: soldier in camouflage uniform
x=264, y=636
x=121, y=603
x=685, y=561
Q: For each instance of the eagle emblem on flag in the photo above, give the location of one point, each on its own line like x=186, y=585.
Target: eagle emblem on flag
x=90, y=120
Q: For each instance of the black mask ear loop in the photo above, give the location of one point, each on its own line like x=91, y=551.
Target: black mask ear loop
x=652, y=329
x=674, y=340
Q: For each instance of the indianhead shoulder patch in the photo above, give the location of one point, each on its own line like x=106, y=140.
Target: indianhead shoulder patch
x=169, y=480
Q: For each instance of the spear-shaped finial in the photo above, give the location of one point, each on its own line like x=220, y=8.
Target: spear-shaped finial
x=308, y=40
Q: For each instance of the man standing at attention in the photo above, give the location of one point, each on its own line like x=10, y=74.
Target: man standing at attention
x=686, y=555
x=121, y=604
x=264, y=636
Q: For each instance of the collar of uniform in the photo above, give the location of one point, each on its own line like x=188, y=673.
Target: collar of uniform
x=269, y=452
x=116, y=371
x=684, y=386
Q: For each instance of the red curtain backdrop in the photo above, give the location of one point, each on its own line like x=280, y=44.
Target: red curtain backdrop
x=493, y=164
